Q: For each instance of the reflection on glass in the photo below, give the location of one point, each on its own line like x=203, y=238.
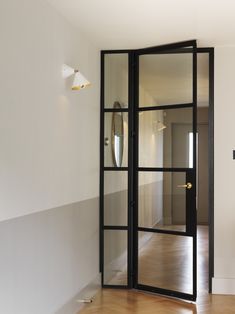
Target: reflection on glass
x=165, y=261
x=163, y=137
x=151, y=134
x=115, y=198
x=165, y=79
x=115, y=257
x=162, y=203
x=117, y=136
x=203, y=79
x=116, y=139
x=116, y=79
x=190, y=149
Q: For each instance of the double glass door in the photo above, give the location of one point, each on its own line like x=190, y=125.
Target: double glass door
x=148, y=169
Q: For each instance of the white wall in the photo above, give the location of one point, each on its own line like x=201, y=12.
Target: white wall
x=224, y=277
x=49, y=134
x=48, y=258
x=49, y=139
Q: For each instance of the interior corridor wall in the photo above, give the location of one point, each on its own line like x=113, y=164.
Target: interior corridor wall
x=224, y=202
x=49, y=164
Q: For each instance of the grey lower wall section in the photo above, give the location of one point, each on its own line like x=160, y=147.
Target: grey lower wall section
x=47, y=258
x=116, y=241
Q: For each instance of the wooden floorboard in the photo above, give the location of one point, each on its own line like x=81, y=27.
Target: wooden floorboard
x=112, y=301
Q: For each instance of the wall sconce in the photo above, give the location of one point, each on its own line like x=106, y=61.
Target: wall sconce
x=159, y=126
x=79, y=81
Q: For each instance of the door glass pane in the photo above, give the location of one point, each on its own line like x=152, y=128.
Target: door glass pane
x=165, y=79
x=115, y=257
x=164, y=137
x=116, y=79
x=162, y=203
x=116, y=139
x=166, y=261
x=115, y=198
x=202, y=80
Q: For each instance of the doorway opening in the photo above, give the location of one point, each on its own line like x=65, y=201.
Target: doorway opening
x=150, y=236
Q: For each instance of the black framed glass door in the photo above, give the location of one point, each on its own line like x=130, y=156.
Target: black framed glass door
x=115, y=181
x=148, y=169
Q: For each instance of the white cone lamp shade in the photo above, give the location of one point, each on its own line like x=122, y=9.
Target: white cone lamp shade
x=79, y=81
x=160, y=126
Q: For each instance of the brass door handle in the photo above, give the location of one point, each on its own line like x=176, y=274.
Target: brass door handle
x=188, y=185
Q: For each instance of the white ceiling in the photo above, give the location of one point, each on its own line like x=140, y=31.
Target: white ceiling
x=168, y=78
x=114, y=24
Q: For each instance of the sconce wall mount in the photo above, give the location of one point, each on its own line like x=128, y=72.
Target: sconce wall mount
x=79, y=81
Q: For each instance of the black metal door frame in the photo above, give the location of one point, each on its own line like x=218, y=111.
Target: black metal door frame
x=133, y=163
x=191, y=223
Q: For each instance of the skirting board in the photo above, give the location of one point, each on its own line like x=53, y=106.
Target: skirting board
x=88, y=292
x=223, y=286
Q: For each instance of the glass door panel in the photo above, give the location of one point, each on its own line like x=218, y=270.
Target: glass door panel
x=115, y=198
x=148, y=169
x=165, y=79
x=162, y=200
x=115, y=257
x=116, y=78
x=164, y=137
x=165, y=261
x=114, y=182
x=116, y=139
x=166, y=171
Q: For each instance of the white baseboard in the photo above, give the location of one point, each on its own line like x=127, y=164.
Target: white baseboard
x=158, y=221
x=167, y=220
x=223, y=286
x=88, y=292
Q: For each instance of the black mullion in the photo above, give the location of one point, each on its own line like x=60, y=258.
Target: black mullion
x=101, y=209
x=135, y=171
x=118, y=51
x=194, y=214
x=116, y=109
x=170, y=293
x=112, y=227
x=115, y=168
x=173, y=51
x=167, y=47
x=115, y=286
x=211, y=167
x=181, y=51
x=131, y=99
x=165, y=107
x=173, y=232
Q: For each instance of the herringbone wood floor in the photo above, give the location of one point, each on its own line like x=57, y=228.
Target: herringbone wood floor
x=110, y=301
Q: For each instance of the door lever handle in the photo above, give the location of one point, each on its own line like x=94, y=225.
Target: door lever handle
x=188, y=185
